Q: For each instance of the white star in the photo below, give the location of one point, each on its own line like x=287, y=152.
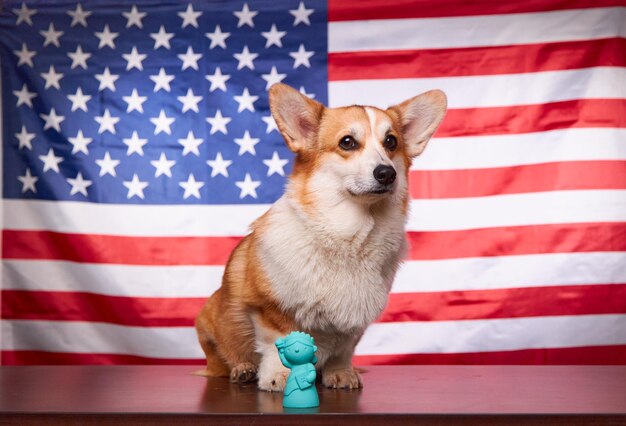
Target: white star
x=79, y=100
x=107, y=165
x=24, y=14
x=218, y=38
x=52, y=78
x=107, y=122
x=79, y=143
x=273, y=77
x=162, y=38
x=50, y=161
x=162, y=80
x=134, y=59
x=28, y=182
x=301, y=14
x=308, y=95
x=191, y=187
x=219, y=166
x=135, y=187
x=134, y=17
x=246, y=101
x=245, y=58
x=135, y=144
x=190, y=144
x=218, y=80
x=162, y=123
x=189, y=16
x=247, y=143
x=245, y=16
x=301, y=57
x=25, y=138
x=273, y=37
x=52, y=120
x=248, y=186
x=79, y=58
x=79, y=16
x=79, y=184
x=134, y=101
x=24, y=97
x=218, y=123
x=189, y=101
x=51, y=36
x=107, y=80
x=163, y=166
x=190, y=59
x=25, y=56
x=275, y=165
x=106, y=38
x=271, y=123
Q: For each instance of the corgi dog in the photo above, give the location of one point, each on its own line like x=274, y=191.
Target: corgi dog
x=323, y=258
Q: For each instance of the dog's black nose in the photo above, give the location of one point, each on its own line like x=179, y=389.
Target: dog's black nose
x=384, y=174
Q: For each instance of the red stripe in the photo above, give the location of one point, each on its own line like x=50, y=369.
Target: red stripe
x=571, y=175
x=517, y=240
x=64, y=358
x=391, y=64
x=432, y=306
x=589, y=355
x=499, y=241
x=351, y=10
x=70, y=306
x=90, y=248
x=506, y=303
x=534, y=118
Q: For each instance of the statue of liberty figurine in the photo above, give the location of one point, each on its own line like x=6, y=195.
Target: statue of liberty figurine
x=297, y=352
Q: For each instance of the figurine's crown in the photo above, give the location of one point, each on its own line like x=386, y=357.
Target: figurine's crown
x=299, y=336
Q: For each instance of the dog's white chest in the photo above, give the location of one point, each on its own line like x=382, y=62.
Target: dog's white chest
x=331, y=283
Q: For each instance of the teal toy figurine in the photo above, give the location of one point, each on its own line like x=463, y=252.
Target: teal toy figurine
x=297, y=352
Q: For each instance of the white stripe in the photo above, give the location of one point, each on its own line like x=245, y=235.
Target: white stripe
x=465, y=31
x=100, y=338
x=493, y=334
x=379, y=339
x=136, y=220
x=481, y=273
x=527, y=148
x=550, y=207
x=498, y=272
x=426, y=214
x=487, y=91
x=112, y=280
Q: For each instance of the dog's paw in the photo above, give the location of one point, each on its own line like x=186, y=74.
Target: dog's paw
x=242, y=373
x=275, y=382
x=347, y=378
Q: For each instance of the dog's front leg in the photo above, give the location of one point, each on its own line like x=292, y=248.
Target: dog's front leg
x=338, y=371
x=272, y=374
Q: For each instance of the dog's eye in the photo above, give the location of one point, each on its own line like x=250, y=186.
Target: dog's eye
x=348, y=143
x=391, y=143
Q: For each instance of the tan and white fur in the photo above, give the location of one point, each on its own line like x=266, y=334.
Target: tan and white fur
x=324, y=256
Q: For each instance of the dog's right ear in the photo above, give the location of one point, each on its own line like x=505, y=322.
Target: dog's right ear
x=296, y=116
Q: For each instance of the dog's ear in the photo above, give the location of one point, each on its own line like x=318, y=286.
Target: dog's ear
x=296, y=116
x=419, y=117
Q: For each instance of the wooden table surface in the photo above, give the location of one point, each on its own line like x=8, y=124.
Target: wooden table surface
x=426, y=394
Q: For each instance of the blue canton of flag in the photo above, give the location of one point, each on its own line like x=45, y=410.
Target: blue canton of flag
x=153, y=103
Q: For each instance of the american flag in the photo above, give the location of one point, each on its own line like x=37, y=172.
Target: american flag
x=138, y=146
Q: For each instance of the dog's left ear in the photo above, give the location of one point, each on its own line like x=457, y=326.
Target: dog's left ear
x=419, y=117
x=296, y=116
